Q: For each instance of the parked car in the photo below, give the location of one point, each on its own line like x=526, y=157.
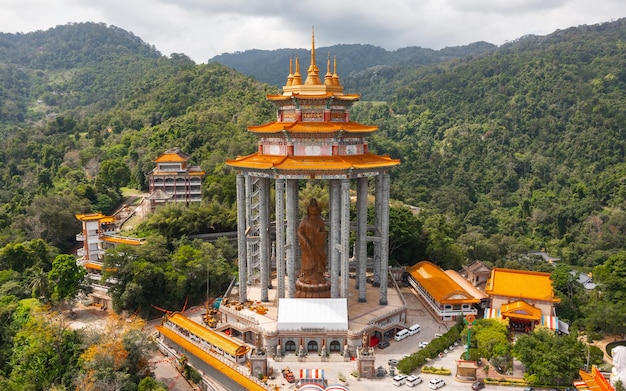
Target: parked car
x=413, y=380
x=399, y=380
x=393, y=362
x=383, y=344
x=422, y=344
x=436, y=383
x=416, y=328
x=478, y=385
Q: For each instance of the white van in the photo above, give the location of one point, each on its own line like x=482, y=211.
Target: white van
x=436, y=383
x=402, y=334
x=415, y=329
x=399, y=380
x=413, y=380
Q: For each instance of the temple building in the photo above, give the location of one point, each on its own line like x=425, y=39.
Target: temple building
x=174, y=180
x=524, y=297
x=99, y=233
x=447, y=294
x=311, y=138
x=304, y=260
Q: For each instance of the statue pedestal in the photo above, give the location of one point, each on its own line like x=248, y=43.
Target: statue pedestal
x=319, y=290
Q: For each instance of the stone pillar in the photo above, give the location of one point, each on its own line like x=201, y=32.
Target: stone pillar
x=377, y=207
x=280, y=236
x=264, y=234
x=345, y=235
x=384, y=238
x=361, y=237
x=242, y=248
x=335, y=237
x=292, y=239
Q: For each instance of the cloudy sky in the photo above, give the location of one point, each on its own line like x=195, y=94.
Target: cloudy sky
x=202, y=29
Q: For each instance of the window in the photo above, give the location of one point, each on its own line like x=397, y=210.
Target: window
x=290, y=346
x=311, y=346
x=335, y=346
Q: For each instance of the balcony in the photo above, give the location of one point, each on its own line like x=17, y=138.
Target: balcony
x=80, y=237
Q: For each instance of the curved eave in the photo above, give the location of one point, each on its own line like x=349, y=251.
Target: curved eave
x=171, y=158
x=313, y=163
x=343, y=97
x=313, y=127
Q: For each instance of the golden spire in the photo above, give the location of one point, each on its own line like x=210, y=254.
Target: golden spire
x=297, y=78
x=313, y=71
x=328, y=79
x=335, y=75
x=290, y=76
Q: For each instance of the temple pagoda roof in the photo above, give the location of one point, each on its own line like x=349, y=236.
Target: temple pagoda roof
x=523, y=284
x=313, y=163
x=313, y=127
x=313, y=95
x=172, y=156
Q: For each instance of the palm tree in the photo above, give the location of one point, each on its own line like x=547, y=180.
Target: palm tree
x=39, y=284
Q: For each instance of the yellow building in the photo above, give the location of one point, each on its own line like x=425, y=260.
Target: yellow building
x=524, y=297
x=99, y=232
x=445, y=296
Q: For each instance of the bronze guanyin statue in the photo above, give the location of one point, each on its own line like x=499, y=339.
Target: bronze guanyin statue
x=312, y=235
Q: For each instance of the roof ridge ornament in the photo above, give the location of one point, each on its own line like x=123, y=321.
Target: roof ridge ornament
x=313, y=71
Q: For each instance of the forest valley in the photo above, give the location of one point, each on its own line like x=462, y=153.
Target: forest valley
x=505, y=151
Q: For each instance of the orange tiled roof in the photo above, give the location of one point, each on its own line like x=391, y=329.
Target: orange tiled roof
x=121, y=240
x=172, y=156
x=313, y=127
x=215, y=338
x=348, y=97
x=477, y=293
x=520, y=309
x=313, y=163
x=594, y=381
x=95, y=216
x=439, y=285
x=521, y=284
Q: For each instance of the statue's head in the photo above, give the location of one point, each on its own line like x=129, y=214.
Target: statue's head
x=313, y=208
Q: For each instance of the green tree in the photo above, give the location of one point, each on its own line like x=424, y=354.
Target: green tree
x=67, y=277
x=150, y=384
x=114, y=173
x=550, y=358
x=45, y=354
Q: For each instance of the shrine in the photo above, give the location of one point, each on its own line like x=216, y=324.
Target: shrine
x=312, y=138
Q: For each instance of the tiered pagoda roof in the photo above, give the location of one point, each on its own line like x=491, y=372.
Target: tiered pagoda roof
x=313, y=133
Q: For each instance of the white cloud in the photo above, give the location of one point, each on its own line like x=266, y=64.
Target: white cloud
x=202, y=29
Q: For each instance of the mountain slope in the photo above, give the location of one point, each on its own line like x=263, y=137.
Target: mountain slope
x=272, y=66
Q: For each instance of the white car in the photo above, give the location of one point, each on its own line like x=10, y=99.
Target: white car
x=413, y=380
x=422, y=344
x=399, y=380
x=436, y=383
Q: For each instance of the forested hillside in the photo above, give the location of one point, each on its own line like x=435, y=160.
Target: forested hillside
x=504, y=151
x=272, y=66
x=526, y=144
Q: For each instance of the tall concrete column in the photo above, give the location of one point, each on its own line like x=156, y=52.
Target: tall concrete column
x=264, y=236
x=384, y=239
x=345, y=236
x=335, y=237
x=292, y=210
x=242, y=248
x=377, y=224
x=361, y=233
x=280, y=236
